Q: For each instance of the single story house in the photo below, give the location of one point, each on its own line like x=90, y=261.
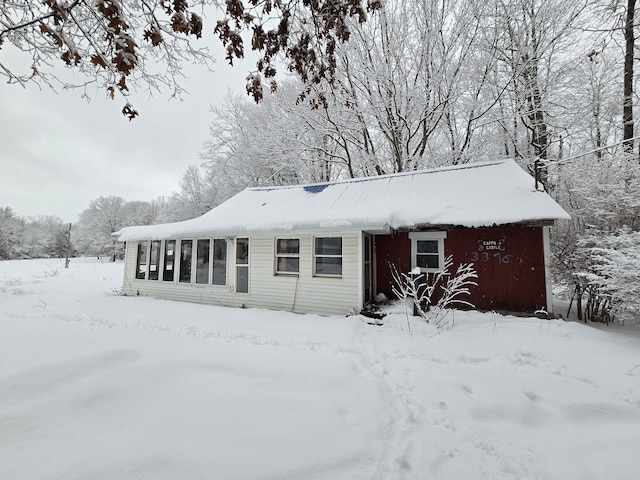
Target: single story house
x=327, y=248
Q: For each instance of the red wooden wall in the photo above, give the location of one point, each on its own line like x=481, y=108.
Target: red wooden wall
x=394, y=249
x=509, y=262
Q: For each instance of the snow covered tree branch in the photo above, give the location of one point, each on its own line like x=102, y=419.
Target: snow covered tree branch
x=614, y=269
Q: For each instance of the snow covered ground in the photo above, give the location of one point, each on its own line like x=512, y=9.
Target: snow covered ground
x=99, y=386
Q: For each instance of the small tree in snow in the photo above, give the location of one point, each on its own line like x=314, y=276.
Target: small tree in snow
x=421, y=289
x=613, y=270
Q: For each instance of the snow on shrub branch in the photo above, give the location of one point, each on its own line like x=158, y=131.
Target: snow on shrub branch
x=417, y=286
x=614, y=266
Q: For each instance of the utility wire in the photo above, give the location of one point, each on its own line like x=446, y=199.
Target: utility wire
x=573, y=157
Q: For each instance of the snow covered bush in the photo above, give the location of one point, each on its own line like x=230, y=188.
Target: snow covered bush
x=600, y=195
x=613, y=269
x=421, y=289
x=596, y=252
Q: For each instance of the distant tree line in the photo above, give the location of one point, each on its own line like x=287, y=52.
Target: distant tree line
x=92, y=234
x=48, y=236
x=32, y=237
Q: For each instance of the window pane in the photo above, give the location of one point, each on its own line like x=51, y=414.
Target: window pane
x=289, y=245
x=186, y=247
x=141, y=263
x=242, y=251
x=427, y=246
x=169, y=260
x=202, y=261
x=242, y=279
x=328, y=265
x=288, y=264
x=219, y=262
x=329, y=246
x=428, y=261
x=154, y=260
x=242, y=259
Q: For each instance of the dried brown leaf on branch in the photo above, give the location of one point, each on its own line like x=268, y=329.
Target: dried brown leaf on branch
x=305, y=34
x=129, y=112
x=109, y=42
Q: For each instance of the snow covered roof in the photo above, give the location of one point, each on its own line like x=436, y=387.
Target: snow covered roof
x=470, y=195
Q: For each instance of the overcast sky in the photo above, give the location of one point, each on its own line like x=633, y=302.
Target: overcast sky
x=58, y=152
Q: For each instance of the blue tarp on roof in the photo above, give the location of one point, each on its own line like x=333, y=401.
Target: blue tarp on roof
x=315, y=188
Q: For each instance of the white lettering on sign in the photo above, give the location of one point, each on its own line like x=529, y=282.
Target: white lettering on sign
x=485, y=245
x=488, y=249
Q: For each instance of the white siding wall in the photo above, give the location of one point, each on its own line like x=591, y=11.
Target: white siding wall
x=301, y=293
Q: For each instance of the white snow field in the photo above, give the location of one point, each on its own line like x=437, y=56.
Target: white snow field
x=99, y=386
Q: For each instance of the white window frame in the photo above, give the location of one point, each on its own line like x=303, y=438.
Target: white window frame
x=242, y=265
x=341, y=256
x=277, y=256
x=417, y=236
x=158, y=260
x=147, y=244
x=196, y=250
x=226, y=262
x=179, y=262
x=174, y=259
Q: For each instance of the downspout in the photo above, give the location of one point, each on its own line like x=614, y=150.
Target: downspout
x=548, y=281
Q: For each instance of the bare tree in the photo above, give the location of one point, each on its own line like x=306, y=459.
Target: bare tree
x=93, y=235
x=593, y=107
x=404, y=78
x=281, y=141
x=9, y=225
x=536, y=32
x=429, y=83
x=627, y=104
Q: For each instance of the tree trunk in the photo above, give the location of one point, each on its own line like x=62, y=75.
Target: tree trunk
x=627, y=105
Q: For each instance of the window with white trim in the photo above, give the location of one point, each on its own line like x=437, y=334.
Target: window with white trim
x=141, y=260
x=242, y=265
x=186, y=252
x=169, y=260
x=203, y=260
x=427, y=250
x=287, y=255
x=219, y=276
x=154, y=260
x=327, y=259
